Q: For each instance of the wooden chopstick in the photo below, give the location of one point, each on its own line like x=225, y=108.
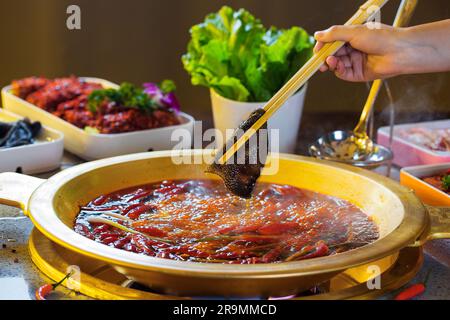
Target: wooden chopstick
x=367, y=11
x=402, y=18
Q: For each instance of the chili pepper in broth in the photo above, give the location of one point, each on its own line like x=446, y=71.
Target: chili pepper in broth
x=200, y=220
x=100, y=200
x=277, y=228
x=320, y=249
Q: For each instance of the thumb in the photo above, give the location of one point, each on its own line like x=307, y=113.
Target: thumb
x=336, y=33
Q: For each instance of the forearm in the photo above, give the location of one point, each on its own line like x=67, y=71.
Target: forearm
x=427, y=48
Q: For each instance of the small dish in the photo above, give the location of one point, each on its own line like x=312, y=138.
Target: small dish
x=412, y=178
x=42, y=156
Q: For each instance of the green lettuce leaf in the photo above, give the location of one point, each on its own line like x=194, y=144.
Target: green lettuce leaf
x=234, y=54
x=220, y=49
x=231, y=88
x=282, y=54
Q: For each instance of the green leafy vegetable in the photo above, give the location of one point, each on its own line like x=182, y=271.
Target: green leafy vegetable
x=167, y=86
x=234, y=54
x=127, y=95
x=446, y=182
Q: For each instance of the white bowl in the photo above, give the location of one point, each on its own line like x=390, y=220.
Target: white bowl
x=42, y=156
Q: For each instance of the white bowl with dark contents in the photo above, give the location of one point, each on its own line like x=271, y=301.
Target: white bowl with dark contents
x=42, y=155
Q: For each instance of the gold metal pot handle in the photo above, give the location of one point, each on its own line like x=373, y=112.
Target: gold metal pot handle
x=439, y=227
x=16, y=189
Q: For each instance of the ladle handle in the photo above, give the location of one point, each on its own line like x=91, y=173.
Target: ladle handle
x=404, y=14
x=16, y=189
x=361, y=127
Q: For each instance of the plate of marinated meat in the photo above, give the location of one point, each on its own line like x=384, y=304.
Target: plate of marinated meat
x=99, y=118
x=27, y=146
x=430, y=182
x=418, y=143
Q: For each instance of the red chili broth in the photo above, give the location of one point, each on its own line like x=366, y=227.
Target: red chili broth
x=199, y=220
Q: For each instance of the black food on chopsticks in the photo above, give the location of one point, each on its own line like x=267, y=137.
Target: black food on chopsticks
x=18, y=133
x=240, y=175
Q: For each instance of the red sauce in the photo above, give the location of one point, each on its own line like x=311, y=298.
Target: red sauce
x=440, y=181
x=199, y=220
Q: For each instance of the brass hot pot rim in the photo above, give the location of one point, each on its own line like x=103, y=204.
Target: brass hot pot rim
x=39, y=207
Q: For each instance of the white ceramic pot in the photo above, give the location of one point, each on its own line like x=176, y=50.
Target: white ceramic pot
x=228, y=114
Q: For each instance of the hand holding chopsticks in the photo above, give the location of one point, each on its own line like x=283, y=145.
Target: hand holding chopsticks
x=365, y=13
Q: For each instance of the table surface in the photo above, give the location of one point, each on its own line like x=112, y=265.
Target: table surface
x=19, y=278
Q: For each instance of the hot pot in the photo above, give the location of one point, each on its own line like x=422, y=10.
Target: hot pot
x=53, y=204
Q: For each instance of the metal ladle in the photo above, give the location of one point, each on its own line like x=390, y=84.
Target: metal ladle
x=353, y=145
x=356, y=146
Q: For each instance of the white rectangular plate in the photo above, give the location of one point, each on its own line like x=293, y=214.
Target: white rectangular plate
x=97, y=146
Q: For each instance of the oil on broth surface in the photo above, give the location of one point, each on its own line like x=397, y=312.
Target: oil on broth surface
x=199, y=220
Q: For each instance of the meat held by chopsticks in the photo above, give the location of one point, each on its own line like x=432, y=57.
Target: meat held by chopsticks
x=240, y=175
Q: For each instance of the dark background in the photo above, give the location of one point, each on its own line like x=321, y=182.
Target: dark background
x=143, y=40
